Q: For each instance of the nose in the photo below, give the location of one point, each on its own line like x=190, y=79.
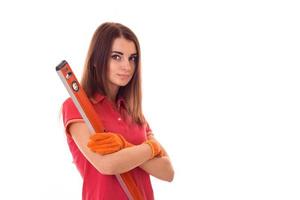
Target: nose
x=126, y=65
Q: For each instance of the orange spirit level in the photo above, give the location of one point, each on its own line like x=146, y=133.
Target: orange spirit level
x=93, y=121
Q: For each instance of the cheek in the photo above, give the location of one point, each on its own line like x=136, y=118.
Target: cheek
x=133, y=69
x=111, y=69
x=110, y=75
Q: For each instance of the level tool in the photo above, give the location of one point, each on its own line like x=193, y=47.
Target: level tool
x=93, y=121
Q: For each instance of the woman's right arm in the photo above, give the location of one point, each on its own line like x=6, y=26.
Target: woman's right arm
x=110, y=164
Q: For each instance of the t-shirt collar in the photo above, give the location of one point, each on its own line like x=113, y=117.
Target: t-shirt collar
x=98, y=97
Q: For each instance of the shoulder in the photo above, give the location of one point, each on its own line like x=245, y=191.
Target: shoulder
x=69, y=110
x=68, y=102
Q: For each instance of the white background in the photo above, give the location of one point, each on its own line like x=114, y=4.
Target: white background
x=221, y=92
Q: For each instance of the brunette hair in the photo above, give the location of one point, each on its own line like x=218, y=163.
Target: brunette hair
x=95, y=79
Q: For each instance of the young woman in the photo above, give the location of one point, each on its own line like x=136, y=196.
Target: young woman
x=112, y=80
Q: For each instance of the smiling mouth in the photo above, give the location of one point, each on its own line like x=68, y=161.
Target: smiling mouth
x=124, y=75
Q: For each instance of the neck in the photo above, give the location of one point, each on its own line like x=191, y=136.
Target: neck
x=112, y=94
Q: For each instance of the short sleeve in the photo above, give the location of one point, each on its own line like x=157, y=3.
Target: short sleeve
x=70, y=114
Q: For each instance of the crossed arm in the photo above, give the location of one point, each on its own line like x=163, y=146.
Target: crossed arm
x=123, y=160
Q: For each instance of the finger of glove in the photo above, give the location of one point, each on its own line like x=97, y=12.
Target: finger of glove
x=105, y=146
x=98, y=142
x=110, y=140
x=105, y=151
x=124, y=142
x=93, y=144
x=100, y=136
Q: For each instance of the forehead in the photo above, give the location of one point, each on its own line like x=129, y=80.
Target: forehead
x=123, y=45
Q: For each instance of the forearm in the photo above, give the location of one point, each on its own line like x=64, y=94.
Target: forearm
x=127, y=159
x=160, y=168
x=114, y=163
x=124, y=160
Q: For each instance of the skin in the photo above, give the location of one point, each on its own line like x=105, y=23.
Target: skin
x=120, y=70
x=121, y=65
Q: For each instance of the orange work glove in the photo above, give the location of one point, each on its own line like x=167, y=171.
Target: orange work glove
x=155, y=147
x=107, y=143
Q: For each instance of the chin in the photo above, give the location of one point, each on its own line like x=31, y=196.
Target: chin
x=122, y=83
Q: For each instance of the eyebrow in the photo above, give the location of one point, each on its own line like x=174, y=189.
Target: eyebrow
x=118, y=52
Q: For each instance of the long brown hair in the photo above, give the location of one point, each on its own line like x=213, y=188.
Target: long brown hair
x=94, y=78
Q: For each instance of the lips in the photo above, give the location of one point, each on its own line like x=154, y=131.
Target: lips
x=124, y=75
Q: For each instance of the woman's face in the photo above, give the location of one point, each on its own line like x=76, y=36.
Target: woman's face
x=121, y=63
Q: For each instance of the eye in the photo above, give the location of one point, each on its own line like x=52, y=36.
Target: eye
x=116, y=57
x=133, y=58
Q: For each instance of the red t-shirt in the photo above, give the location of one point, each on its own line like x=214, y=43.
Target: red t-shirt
x=97, y=186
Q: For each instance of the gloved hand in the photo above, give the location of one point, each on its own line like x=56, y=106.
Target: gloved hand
x=155, y=147
x=107, y=143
